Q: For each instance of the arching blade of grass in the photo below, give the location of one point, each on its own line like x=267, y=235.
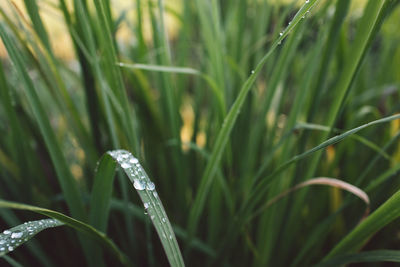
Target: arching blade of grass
x=366, y=256
x=319, y=181
x=229, y=122
x=76, y=224
x=386, y=213
x=152, y=204
x=262, y=187
x=12, y=238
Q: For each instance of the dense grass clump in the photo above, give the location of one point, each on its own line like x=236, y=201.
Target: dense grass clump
x=254, y=132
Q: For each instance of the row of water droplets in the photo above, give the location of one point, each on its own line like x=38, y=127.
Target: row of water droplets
x=14, y=237
x=140, y=181
x=151, y=202
x=290, y=22
x=132, y=166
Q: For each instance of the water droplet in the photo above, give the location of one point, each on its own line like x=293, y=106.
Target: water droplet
x=125, y=165
x=155, y=194
x=281, y=33
x=133, y=160
x=2, y=242
x=150, y=186
x=146, y=205
x=279, y=43
x=16, y=235
x=170, y=237
x=163, y=219
x=2, y=249
x=10, y=248
x=307, y=1
x=139, y=185
x=252, y=72
x=7, y=232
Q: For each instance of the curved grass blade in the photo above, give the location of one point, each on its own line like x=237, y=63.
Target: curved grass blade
x=152, y=204
x=319, y=181
x=262, y=186
x=229, y=122
x=366, y=256
x=12, y=238
x=386, y=213
x=76, y=224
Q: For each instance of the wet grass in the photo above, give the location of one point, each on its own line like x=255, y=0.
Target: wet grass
x=241, y=102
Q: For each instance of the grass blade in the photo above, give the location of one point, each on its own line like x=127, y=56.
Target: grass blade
x=229, y=121
x=152, y=204
x=76, y=224
x=386, y=213
x=366, y=256
x=12, y=238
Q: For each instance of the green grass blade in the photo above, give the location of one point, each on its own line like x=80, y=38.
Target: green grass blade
x=152, y=204
x=229, y=122
x=65, y=178
x=96, y=235
x=386, y=213
x=101, y=193
x=366, y=256
x=263, y=185
x=12, y=238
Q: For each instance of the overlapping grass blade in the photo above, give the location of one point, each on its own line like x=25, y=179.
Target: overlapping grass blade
x=12, y=238
x=365, y=256
x=96, y=235
x=229, y=121
x=152, y=204
x=386, y=213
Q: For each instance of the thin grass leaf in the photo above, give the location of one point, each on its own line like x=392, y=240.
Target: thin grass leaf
x=14, y=237
x=152, y=204
x=365, y=256
x=96, y=235
x=319, y=181
x=229, y=122
x=386, y=213
x=262, y=186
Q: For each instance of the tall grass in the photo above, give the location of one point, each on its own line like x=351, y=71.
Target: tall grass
x=237, y=103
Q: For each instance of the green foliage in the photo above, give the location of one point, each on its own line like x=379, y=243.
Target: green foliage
x=236, y=103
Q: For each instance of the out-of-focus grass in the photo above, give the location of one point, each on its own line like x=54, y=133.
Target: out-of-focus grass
x=227, y=104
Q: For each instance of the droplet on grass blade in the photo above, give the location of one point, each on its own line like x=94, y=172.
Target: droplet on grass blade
x=16, y=236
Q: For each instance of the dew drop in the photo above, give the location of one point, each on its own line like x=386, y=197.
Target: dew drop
x=155, y=194
x=139, y=185
x=281, y=33
x=7, y=232
x=307, y=1
x=163, y=219
x=2, y=242
x=170, y=237
x=252, y=72
x=125, y=165
x=16, y=235
x=146, y=205
x=10, y=248
x=133, y=160
x=150, y=186
x=2, y=249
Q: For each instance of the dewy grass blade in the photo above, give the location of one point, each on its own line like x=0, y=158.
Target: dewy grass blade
x=76, y=224
x=152, y=204
x=229, y=122
x=386, y=213
x=12, y=238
